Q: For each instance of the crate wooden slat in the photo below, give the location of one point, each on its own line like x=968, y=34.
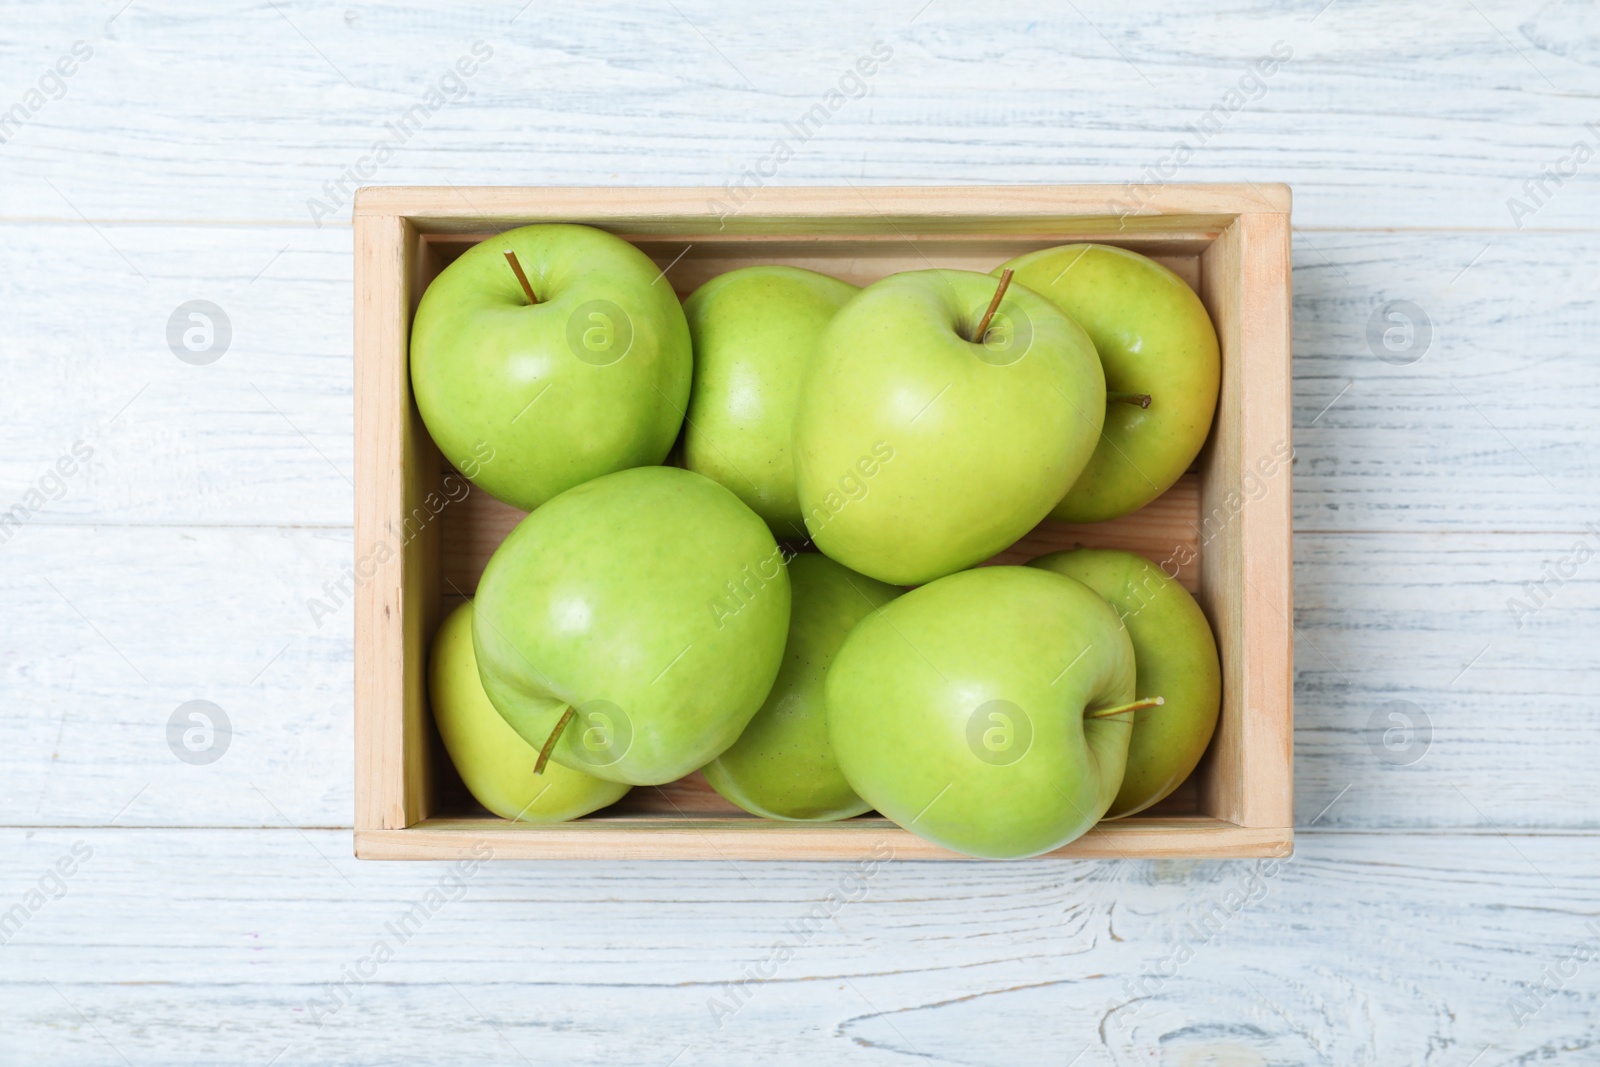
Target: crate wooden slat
x=748, y=838
x=1225, y=529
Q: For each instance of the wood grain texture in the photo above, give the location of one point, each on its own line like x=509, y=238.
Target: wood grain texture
x=1490, y=427
x=1363, y=949
x=670, y=836
x=382, y=446
x=1454, y=441
x=252, y=112
x=396, y=568
x=1476, y=679
x=1378, y=618
x=1186, y=214
x=125, y=624
x=261, y=436
x=1248, y=777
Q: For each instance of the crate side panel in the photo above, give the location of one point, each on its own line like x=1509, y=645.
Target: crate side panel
x=1265, y=523
x=1186, y=837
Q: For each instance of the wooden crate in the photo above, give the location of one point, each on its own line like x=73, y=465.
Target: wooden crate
x=1226, y=523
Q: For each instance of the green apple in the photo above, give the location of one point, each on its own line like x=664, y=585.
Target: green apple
x=782, y=766
x=530, y=399
x=919, y=452
x=495, y=763
x=1155, y=340
x=987, y=711
x=754, y=330
x=1176, y=655
x=638, y=619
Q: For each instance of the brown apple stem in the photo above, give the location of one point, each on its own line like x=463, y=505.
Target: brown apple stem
x=983, y=323
x=555, y=735
x=1137, y=705
x=1139, y=399
x=516, y=268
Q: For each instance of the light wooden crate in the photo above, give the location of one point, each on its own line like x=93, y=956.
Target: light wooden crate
x=1226, y=523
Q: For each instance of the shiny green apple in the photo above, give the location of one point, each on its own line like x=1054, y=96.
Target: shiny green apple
x=530, y=399
x=919, y=452
x=962, y=710
x=754, y=331
x=495, y=763
x=782, y=766
x=1176, y=655
x=1155, y=339
x=642, y=615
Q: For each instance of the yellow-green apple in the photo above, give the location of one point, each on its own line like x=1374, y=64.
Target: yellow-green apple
x=919, y=451
x=1162, y=370
x=782, y=766
x=496, y=764
x=754, y=330
x=1176, y=655
x=635, y=623
x=531, y=391
x=988, y=711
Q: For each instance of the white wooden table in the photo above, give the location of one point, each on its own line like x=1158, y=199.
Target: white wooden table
x=1442, y=904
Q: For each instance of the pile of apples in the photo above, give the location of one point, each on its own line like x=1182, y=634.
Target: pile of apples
x=729, y=497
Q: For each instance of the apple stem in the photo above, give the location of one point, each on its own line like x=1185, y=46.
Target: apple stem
x=1139, y=399
x=550, y=742
x=1137, y=705
x=516, y=268
x=983, y=323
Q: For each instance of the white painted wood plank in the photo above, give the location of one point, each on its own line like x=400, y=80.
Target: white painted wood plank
x=218, y=946
x=262, y=435
x=247, y=111
x=1491, y=429
x=1433, y=621
x=1481, y=414
x=124, y=625
x=202, y=612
